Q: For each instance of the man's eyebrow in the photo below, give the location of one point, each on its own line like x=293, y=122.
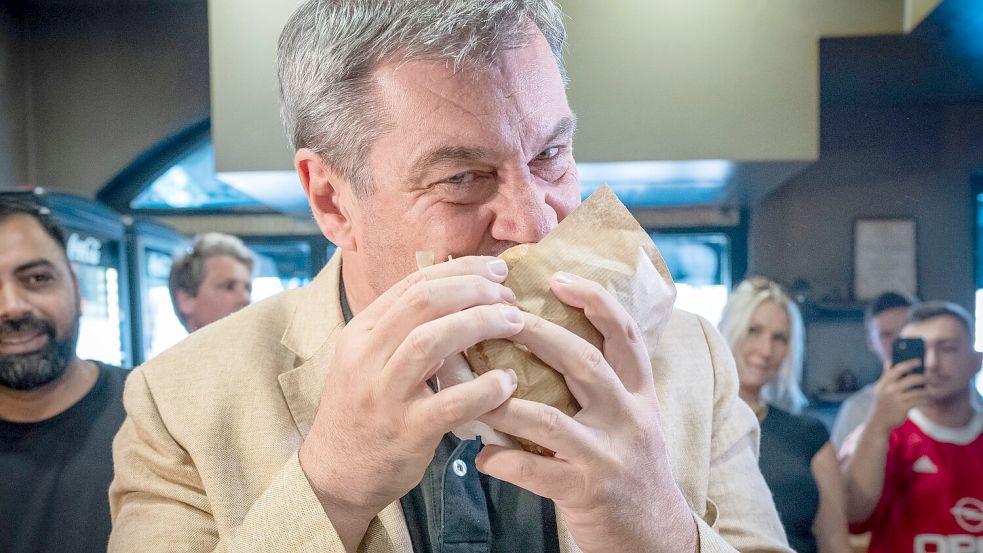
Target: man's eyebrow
x=34, y=264
x=464, y=154
x=566, y=127
x=445, y=154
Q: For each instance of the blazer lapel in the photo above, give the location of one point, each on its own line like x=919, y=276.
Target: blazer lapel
x=312, y=336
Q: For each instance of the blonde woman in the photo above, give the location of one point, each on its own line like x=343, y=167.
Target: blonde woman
x=764, y=330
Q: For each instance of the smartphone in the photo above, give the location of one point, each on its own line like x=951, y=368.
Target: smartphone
x=909, y=348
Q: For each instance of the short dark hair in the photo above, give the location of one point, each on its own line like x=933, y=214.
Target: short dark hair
x=10, y=206
x=932, y=309
x=885, y=301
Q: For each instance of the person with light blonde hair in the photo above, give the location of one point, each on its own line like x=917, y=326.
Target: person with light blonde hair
x=735, y=324
x=764, y=329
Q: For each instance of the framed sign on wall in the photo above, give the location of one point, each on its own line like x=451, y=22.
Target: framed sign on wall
x=884, y=257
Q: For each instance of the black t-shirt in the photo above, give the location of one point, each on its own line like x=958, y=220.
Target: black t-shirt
x=788, y=444
x=55, y=474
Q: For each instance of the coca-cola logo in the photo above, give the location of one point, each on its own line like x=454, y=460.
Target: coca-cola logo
x=158, y=265
x=87, y=250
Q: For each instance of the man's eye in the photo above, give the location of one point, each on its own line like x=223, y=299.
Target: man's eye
x=39, y=279
x=548, y=153
x=462, y=178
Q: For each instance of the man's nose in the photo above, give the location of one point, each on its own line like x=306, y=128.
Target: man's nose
x=13, y=306
x=244, y=296
x=522, y=215
x=931, y=359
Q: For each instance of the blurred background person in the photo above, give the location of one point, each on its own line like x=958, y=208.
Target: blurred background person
x=883, y=320
x=914, y=469
x=58, y=413
x=212, y=280
x=764, y=330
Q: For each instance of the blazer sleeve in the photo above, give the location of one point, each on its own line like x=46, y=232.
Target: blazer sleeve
x=741, y=514
x=158, y=503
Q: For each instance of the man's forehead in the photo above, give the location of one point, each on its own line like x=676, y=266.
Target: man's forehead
x=943, y=327
x=896, y=316
x=477, y=93
x=23, y=238
x=474, y=82
x=224, y=264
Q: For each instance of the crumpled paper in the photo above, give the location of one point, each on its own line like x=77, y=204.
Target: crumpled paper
x=599, y=241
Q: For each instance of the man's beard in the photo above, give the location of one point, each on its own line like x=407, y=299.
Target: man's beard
x=27, y=371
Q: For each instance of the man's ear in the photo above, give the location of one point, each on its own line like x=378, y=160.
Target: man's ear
x=328, y=195
x=870, y=343
x=78, y=291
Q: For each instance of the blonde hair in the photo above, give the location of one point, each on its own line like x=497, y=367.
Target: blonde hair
x=784, y=391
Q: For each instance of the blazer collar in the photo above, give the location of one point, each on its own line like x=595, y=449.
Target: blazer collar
x=317, y=316
x=311, y=336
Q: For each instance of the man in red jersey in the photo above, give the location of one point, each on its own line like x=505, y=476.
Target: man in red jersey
x=914, y=470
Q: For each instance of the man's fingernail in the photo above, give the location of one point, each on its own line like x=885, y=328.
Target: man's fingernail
x=511, y=314
x=498, y=267
x=564, y=278
x=515, y=378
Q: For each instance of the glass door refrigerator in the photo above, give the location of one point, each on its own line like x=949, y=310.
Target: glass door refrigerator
x=96, y=249
x=151, y=248
x=284, y=262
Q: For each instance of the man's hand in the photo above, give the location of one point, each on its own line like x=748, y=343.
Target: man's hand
x=897, y=391
x=378, y=422
x=610, y=476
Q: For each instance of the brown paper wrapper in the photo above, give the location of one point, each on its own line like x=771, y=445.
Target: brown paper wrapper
x=599, y=241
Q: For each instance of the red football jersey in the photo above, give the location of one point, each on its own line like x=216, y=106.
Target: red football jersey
x=933, y=490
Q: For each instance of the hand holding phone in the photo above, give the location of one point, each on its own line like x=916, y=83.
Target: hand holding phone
x=905, y=349
x=900, y=389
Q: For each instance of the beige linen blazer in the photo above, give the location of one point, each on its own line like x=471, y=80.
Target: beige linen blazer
x=207, y=457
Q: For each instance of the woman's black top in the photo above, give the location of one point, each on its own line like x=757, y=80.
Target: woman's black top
x=788, y=444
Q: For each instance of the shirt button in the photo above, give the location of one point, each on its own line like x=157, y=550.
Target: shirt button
x=459, y=467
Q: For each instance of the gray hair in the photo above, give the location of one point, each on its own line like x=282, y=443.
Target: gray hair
x=329, y=49
x=783, y=392
x=188, y=269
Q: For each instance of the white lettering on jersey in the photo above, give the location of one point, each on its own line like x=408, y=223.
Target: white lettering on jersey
x=925, y=465
x=968, y=513
x=936, y=543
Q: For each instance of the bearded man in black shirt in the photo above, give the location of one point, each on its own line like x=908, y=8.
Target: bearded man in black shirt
x=58, y=413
